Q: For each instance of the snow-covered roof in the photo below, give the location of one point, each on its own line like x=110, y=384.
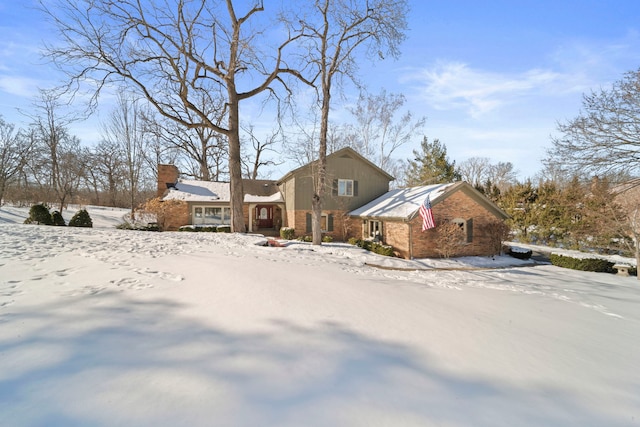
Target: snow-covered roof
x=401, y=203
x=199, y=191
x=213, y=191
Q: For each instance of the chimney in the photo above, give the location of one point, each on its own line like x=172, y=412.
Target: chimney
x=167, y=178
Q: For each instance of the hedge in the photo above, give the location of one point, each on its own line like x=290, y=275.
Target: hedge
x=582, y=264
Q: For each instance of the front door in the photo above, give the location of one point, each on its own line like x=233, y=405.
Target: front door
x=264, y=216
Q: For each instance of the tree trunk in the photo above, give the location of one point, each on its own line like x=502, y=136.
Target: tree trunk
x=235, y=165
x=321, y=174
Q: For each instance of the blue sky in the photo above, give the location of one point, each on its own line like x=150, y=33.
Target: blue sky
x=491, y=77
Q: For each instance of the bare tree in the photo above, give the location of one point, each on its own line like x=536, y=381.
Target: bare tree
x=104, y=175
x=604, y=138
x=378, y=130
x=125, y=131
x=256, y=158
x=15, y=148
x=479, y=171
x=475, y=170
x=176, y=54
x=61, y=163
x=335, y=30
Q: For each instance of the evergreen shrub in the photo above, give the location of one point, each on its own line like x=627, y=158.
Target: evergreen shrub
x=582, y=264
x=374, y=247
x=287, y=233
x=39, y=214
x=57, y=219
x=81, y=219
x=195, y=229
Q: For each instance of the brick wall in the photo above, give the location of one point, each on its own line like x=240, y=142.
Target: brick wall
x=457, y=206
x=166, y=173
x=343, y=227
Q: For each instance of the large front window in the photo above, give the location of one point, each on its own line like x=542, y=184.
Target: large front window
x=211, y=215
x=345, y=187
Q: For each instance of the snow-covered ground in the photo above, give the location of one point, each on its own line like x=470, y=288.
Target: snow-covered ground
x=106, y=327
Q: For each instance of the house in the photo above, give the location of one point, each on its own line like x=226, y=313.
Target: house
x=357, y=203
x=352, y=181
x=209, y=202
x=394, y=219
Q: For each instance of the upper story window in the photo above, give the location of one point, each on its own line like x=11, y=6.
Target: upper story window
x=345, y=187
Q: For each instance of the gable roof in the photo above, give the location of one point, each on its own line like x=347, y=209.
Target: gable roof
x=403, y=203
x=255, y=191
x=343, y=152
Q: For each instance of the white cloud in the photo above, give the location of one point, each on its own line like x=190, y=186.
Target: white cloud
x=19, y=86
x=455, y=85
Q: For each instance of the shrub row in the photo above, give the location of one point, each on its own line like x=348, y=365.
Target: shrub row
x=138, y=227
x=309, y=239
x=206, y=228
x=39, y=214
x=374, y=247
x=583, y=264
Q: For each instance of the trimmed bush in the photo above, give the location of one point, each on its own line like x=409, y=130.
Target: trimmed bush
x=81, y=219
x=582, y=264
x=287, y=233
x=39, y=214
x=57, y=219
x=223, y=229
x=327, y=239
x=374, y=247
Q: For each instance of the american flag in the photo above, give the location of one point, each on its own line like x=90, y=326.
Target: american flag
x=427, y=215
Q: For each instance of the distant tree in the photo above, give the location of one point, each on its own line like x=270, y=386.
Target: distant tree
x=479, y=171
x=15, y=148
x=105, y=172
x=124, y=130
x=475, y=170
x=61, y=162
x=380, y=127
x=430, y=165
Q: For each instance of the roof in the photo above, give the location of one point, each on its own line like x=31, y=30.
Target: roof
x=340, y=153
x=403, y=203
x=255, y=191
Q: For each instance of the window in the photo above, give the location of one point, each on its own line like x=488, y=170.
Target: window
x=211, y=215
x=374, y=230
x=467, y=228
x=326, y=222
x=345, y=187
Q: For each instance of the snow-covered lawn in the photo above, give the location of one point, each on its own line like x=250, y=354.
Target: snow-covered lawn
x=106, y=327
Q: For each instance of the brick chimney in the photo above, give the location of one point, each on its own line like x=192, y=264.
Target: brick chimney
x=167, y=177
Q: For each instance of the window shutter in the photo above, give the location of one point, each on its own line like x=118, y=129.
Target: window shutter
x=355, y=188
x=334, y=187
x=469, y=228
x=330, y=222
x=308, y=222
